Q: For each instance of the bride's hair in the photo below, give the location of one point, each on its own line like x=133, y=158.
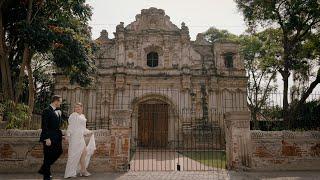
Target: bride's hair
x=78, y=104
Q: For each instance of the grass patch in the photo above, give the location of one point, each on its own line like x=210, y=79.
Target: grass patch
x=215, y=159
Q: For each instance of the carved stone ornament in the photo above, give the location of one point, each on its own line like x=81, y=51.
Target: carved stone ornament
x=120, y=117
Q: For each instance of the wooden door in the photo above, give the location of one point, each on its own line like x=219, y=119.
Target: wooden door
x=153, y=125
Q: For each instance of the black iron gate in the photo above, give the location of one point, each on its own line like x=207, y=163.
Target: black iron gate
x=174, y=130
x=196, y=145
x=171, y=129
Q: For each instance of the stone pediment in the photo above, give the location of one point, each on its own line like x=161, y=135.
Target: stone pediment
x=152, y=19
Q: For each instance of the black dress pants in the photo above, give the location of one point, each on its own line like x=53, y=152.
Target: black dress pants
x=51, y=154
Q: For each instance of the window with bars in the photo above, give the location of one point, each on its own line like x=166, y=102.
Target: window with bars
x=152, y=59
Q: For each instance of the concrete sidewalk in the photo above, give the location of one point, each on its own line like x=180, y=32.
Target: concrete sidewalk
x=186, y=175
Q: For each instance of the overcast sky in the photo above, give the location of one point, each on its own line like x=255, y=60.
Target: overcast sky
x=198, y=15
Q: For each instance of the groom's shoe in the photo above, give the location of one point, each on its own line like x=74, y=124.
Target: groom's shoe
x=41, y=171
x=47, y=177
x=44, y=176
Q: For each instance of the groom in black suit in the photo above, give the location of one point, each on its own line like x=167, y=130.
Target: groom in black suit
x=51, y=136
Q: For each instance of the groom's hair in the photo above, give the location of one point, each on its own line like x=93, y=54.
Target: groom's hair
x=55, y=98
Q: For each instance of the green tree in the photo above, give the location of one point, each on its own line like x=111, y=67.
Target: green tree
x=32, y=27
x=260, y=52
x=43, y=70
x=6, y=75
x=298, y=21
x=213, y=34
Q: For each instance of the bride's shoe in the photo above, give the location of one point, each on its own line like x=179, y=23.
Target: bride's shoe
x=71, y=177
x=85, y=174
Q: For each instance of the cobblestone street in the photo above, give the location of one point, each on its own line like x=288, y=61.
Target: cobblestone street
x=198, y=175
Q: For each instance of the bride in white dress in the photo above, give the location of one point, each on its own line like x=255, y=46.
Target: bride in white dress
x=78, y=152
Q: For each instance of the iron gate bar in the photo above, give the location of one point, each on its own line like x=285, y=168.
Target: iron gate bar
x=194, y=137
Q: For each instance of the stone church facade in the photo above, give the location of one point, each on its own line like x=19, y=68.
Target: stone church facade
x=151, y=66
x=155, y=86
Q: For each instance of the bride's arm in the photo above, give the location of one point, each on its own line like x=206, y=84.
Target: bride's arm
x=87, y=131
x=70, y=120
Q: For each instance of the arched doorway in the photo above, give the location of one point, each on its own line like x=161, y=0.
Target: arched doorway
x=153, y=117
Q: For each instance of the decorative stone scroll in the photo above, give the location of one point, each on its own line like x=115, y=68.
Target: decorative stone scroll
x=186, y=82
x=120, y=81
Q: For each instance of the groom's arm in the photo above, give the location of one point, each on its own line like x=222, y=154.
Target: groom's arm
x=44, y=125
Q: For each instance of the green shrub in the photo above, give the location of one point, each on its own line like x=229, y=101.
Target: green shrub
x=1, y=112
x=15, y=114
x=307, y=118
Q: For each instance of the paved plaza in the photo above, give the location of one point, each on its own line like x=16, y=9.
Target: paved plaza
x=189, y=175
x=157, y=160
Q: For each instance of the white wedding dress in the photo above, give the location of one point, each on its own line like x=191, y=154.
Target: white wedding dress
x=75, y=134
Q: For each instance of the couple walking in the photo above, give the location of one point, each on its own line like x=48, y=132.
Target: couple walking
x=51, y=136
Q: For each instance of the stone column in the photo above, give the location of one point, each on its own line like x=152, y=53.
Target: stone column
x=120, y=138
x=238, y=141
x=120, y=44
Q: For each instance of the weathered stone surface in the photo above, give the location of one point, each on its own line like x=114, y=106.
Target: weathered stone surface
x=238, y=140
x=123, y=75
x=285, y=150
x=120, y=118
x=20, y=151
x=124, y=80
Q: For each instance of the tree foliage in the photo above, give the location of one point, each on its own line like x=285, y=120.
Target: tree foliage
x=213, y=34
x=58, y=29
x=260, y=52
x=299, y=22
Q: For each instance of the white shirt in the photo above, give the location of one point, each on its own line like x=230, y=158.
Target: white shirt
x=58, y=113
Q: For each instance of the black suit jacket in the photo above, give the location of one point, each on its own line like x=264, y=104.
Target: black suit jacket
x=50, y=125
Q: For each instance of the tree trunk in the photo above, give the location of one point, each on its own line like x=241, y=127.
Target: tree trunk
x=285, y=77
x=254, y=118
x=31, y=88
x=306, y=94
x=6, y=81
x=26, y=55
x=285, y=102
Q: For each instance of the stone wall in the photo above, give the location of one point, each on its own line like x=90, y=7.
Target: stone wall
x=238, y=149
x=20, y=151
x=285, y=150
x=269, y=150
